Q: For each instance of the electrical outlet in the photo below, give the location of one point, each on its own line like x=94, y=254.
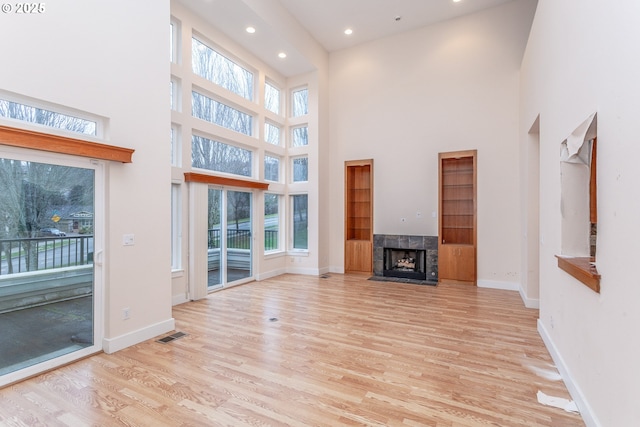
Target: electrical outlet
x=126, y=313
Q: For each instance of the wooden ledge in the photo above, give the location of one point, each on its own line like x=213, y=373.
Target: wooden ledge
x=61, y=144
x=218, y=180
x=582, y=268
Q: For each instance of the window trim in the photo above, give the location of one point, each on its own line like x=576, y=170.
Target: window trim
x=34, y=140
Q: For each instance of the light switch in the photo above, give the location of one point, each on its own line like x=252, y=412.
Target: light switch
x=128, y=240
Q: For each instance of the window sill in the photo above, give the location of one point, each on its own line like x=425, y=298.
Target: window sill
x=274, y=254
x=582, y=268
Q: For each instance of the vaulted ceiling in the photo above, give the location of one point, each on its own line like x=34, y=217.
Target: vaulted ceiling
x=326, y=21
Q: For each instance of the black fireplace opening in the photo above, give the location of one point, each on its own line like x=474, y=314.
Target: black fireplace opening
x=405, y=263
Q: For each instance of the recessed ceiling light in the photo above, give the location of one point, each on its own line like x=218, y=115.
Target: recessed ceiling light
x=457, y=1
x=282, y=55
x=348, y=31
x=251, y=30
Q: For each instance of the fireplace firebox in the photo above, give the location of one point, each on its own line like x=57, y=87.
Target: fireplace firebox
x=405, y=263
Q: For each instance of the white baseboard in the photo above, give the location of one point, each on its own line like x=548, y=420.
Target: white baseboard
x=270, y=274
x=588, y=416
x=111, y=345
x=304, y=271
x=529, y=302
x=178, y=299
x=494, y=284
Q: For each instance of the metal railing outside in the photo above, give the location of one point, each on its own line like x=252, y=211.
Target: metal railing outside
x=241, y=239
x=44, y=253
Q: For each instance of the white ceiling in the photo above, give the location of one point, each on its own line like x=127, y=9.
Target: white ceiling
x=326, y=21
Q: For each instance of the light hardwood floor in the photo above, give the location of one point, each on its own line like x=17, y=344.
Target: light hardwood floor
x=343, y=351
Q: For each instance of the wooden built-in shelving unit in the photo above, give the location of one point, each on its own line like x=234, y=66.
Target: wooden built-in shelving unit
x=358, y=230
x=457, y=221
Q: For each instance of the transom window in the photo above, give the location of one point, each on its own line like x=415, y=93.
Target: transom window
x=220, y=157
x=220, y=114
x=211, y=65
x=41, y=116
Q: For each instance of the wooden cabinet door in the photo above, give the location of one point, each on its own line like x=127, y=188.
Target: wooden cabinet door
x=358, y=256
x=457, y=263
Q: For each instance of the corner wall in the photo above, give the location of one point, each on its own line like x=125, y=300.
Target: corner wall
x=580, y=60
x=403, y=99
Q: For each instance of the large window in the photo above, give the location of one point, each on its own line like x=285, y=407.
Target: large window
x=27, y=113
x=271, y=222
x=176, y=224
x=300, y=167
x=220, y=114
x=220, y=157
x=176, y=146
x=271, y=168
x=272, y=98
x=174, y=40
x=300, y=102
x=271, y=133
x=220, y=70
x=174, y=87
x=299, y=136
x=300, y=221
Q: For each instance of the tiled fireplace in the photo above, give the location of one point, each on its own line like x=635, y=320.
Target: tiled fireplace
x=406, y=257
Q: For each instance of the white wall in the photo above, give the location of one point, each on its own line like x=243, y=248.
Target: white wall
x=403, y=99
x=581, y=59
x=110, y=58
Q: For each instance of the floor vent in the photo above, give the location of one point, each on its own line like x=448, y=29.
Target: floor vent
x=325, y=276
x=172, y=337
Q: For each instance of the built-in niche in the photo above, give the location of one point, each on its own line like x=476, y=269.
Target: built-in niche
x=579, y=203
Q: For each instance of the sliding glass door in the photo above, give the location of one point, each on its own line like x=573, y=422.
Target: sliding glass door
x=229, y=251
x=47, y=275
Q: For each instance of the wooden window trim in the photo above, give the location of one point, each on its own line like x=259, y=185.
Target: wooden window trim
x=61, y=144
x=219, y=180
x=582, y=268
